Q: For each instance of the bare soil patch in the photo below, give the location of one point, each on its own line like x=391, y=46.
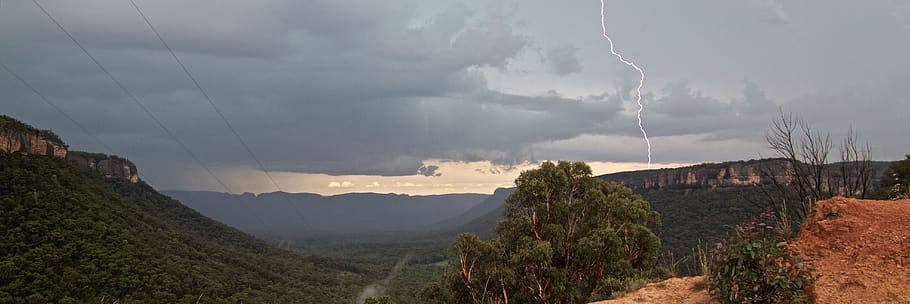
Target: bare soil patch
x=859, y=248
x=674, y=290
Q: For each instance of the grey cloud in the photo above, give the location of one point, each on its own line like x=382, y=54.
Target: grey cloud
x=428, y=171
x=345, y=87
x=344, y=101
x=563, y=60
x=682, y=110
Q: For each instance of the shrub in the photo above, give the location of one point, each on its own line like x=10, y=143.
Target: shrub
x=899, y=192
x=896, y=181
x=755, y=266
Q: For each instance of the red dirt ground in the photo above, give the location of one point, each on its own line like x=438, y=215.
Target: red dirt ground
x=859, y=248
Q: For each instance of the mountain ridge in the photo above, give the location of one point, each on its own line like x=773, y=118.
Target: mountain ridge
x=21, y=138
x=293, y=213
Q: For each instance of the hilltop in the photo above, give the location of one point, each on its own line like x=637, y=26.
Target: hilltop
x=861, y=249
x=75, y=232
x=20, y=138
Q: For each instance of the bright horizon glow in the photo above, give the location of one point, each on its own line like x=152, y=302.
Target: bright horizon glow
x=456, y=177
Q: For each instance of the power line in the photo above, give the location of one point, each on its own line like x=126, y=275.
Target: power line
x=215, y=107
x=53, y=105
x=138, y=103
x=64, y=114
x=132, y=97
x=92, y=135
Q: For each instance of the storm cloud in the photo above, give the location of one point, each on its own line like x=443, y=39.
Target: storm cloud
x=353, y=87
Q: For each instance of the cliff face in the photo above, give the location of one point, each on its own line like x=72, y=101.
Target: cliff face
x=31, y=142
x=108, y=165
x=730, y=174
x=19, y=137
x=744, y=173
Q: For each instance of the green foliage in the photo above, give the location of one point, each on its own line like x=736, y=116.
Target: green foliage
x=379, y=300
x=896, y=181
x=72, y=236
x=699, y=216
x=566, y=238
x=755, y=266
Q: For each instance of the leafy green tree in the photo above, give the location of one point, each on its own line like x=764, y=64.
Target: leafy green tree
x=896, y=181
x=565, y=237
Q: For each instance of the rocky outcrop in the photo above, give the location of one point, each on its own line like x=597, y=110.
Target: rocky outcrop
x=107, y=165
x=731, y=174
x=19, y=137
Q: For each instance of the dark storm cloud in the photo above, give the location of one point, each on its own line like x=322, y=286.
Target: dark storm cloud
x=353, y=87
x=317, y=86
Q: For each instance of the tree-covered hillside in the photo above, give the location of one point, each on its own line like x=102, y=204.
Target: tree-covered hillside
x=72, y=236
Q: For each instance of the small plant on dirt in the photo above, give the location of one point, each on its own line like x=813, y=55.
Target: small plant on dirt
x=832, y=214
x=755, y=266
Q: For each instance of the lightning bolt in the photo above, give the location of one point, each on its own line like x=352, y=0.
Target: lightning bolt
x=641, y=81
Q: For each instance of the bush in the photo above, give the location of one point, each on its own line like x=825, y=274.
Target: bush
x=756, y=266
x=896, y=181
x=899, y=192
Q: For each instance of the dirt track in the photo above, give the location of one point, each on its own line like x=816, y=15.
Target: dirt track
x=860, y=249
x=675, y=290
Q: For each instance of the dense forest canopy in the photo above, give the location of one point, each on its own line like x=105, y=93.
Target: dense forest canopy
x=71, y=236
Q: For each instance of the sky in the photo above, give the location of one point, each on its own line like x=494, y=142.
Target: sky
x=425, y=97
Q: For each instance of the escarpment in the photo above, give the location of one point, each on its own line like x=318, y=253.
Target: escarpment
x=21, y=138
x=731, y=174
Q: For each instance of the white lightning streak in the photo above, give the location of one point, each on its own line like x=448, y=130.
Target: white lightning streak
x=641, y=81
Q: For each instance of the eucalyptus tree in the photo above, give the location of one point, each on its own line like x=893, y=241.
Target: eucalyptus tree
x=565, y=236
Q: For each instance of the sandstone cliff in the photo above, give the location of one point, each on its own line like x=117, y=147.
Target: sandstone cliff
x=728, y=174
x=107, y=165
x=741, y=173
x=19, y=137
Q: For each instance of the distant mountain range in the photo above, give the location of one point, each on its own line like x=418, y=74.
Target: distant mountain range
x=282, y=215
